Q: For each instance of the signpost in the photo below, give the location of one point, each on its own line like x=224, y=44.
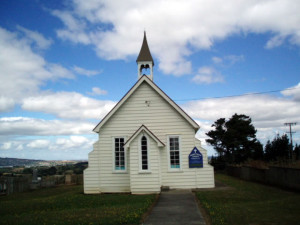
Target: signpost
x=195, y=159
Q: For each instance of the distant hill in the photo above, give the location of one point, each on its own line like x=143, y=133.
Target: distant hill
x=10, y=162
x=7, y=162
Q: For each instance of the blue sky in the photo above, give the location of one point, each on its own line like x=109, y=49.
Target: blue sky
x=65, y=64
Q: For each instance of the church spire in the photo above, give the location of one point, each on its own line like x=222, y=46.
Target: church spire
x=145, y=60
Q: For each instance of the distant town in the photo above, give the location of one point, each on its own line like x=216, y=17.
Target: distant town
x=16, y=162
x=20, y=175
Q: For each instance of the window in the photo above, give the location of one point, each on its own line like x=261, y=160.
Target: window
x=144, y=153
x=174, y=149
x=119, y=154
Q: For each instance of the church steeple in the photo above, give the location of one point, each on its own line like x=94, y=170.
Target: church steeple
x=145, y=60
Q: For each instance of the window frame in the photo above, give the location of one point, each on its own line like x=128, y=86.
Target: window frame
x=141, y=170
x=114, y=155
x=172, y=169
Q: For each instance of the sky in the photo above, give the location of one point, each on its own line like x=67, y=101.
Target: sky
x=65, y=63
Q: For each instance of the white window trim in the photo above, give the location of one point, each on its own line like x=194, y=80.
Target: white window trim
x=168, y=150
x=140, y=153
x=113, y=156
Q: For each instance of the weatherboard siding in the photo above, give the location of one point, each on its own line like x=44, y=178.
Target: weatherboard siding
x=110, y=180
x=162, y=120
x=205, y=178
x=91, y=174
x=141, y=182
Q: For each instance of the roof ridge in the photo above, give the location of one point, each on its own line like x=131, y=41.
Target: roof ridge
x=150, y=133
x=160, y=92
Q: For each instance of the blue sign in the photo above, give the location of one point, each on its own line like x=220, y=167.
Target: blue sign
x=195, y=159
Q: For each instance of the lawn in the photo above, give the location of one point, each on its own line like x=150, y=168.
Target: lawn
x=68, y=205
x=250, y=203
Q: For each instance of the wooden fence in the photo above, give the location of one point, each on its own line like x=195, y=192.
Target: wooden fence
x=288, y=178
x=9, y=185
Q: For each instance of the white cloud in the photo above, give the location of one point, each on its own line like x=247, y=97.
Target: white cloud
x=175, y=29
x=24, y=126
x=58, y=148
x=232, y=59
x=268, y=113
x=262, y=108
x=207, y=75
x=85, y=72
x=34, y=36
x=70, y=105
x=27, y=72
x=71, y=142
x=22, y=78
x=228, y=60
x=40, y=144
x=275, y=42
x=217, y=60
x=6, y=145
x=58, y=71
x=6, y=104
x=11, y=145
x=205, y=126
x=97, y=91
x=293, y=91
x=75, y=28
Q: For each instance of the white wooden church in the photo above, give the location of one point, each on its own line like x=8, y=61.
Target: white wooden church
x=146, y=142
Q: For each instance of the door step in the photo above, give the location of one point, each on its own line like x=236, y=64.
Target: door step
x=165, y=188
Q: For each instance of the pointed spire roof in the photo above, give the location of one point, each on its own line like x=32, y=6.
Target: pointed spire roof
x=145, y=54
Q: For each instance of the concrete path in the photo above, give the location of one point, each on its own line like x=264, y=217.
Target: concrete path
x=175, y=207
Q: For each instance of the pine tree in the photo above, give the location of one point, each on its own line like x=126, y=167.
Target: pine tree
x=235, y=139
x=278, y=149
x=297, y=152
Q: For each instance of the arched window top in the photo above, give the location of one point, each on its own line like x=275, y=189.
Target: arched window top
x=145, y=69
x=144, y=139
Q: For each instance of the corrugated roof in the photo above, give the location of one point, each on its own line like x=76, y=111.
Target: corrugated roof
x=145, y=54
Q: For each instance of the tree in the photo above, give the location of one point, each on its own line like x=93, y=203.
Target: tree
x=217, y=137
x=47, y=171
x=52, y=170
x=79, y=167
x=218, y=163
x=297, y=151
x=27, y=171
x=235, y=139
x=278, y=149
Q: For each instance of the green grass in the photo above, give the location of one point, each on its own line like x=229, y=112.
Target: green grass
x=68, y=205
x=250, y=203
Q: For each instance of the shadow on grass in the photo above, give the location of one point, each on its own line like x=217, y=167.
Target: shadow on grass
x=68, y=205
x=249, y=203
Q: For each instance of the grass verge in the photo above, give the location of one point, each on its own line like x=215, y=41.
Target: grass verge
x=250, y=203
x=68, y=205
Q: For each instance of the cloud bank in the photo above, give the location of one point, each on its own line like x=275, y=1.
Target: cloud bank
x=175, y=29
x=268, y=113
x=22, y=82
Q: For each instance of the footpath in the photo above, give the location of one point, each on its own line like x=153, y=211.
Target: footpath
x=175, y=207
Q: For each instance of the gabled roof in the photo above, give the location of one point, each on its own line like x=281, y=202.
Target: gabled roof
x=145, y=54
x=143, y=128
x=144, y=78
